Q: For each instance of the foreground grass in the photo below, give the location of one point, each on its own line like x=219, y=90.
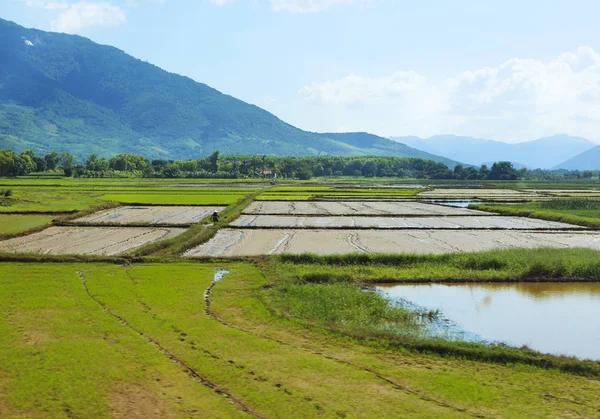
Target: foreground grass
x=61, y=355
x=579, y=211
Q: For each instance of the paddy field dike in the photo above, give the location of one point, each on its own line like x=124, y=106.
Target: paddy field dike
x=123, y=298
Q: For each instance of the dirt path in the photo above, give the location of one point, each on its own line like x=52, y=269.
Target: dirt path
x=194, y=374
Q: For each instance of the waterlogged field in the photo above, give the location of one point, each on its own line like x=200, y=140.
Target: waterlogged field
x=255, y=242
x=366, y=208
x=88, y=240
x=150, y=215
x=418, y=223
x=141, y=341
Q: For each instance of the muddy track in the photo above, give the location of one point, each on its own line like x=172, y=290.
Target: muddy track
x=184, y=365
x=396, y=385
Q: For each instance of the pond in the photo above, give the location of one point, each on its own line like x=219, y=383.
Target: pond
x=557, y=318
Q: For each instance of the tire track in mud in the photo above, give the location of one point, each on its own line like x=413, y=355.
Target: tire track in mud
x=219, y=274
x=184, y=365
x=353, y=240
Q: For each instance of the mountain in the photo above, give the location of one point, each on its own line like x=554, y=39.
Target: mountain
x=542, y=153
x=66, y=93
x=588, y=160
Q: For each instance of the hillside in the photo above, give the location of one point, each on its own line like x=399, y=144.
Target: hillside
x=542, y=153
x=66, y=93
x=588, y=160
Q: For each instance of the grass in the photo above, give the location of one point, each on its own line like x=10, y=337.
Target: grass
x=10, y=224
x=172, y=199
x=62, y=355
x=298, y=193
x=542, y=264
x=579, y=211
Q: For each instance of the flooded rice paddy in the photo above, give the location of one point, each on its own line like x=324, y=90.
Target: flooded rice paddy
x=378, y=222
x=557, y=318
x=367, y=208
x=107, y=241
x=253, y=242
x=181, y=215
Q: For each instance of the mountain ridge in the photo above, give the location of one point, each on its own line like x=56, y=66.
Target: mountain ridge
x=62, y=92
x=545, y=152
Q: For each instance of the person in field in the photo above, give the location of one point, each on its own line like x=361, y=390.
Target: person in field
x=215, y=217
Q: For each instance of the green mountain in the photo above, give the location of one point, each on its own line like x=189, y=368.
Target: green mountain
x=588, y=160
x=66, y=93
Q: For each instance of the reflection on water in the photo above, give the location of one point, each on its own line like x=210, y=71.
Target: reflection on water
x=560, y=318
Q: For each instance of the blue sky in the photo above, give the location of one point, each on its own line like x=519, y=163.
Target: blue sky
x=511, y=70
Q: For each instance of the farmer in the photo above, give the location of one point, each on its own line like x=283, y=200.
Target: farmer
x=215, y=217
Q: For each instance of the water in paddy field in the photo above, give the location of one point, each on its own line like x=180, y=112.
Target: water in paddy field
x=557, y=318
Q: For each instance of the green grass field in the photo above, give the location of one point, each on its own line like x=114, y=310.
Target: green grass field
x=10, y=224
x=304, y=193
x=173, y=199
x=65, y=354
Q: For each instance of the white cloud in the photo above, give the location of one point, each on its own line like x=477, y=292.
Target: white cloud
x=47, y=5
x=79, y=15
x=221, y=2
x=300, y=6
x=517, y=100
x=309, y=6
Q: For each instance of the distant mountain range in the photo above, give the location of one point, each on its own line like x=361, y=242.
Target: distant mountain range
x=62, y=92
x=544, y=153
x=588, y=160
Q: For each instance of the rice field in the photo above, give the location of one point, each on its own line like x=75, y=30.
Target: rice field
x=178, y=215
x=107, y=241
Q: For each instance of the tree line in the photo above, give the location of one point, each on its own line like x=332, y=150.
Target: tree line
x=217, y=166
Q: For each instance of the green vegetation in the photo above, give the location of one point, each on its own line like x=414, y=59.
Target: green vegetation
x=11, y=224
x=334, y=301
x=62, y=356
x=173, y=199
x=251, y=359
x=542, y=264
x=580, y=211
x=305, y=193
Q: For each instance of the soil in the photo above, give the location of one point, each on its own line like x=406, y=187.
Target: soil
x=151, y=214
x=440, y=222
x=108, y=241
x=238, y=242
x=369, y=208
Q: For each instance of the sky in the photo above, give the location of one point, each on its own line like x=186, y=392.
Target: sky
x=511, y=71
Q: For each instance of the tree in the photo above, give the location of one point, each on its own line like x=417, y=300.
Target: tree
x=51, y=160
x=66, y=160
x=503, y=170
x=40, y=164
x=588, y=174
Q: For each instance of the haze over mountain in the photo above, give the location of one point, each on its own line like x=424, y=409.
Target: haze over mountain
x=544, y=153
x=66, y=93
x=588, y=160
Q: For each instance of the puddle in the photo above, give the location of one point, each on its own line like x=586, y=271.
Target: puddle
x=558, y=318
